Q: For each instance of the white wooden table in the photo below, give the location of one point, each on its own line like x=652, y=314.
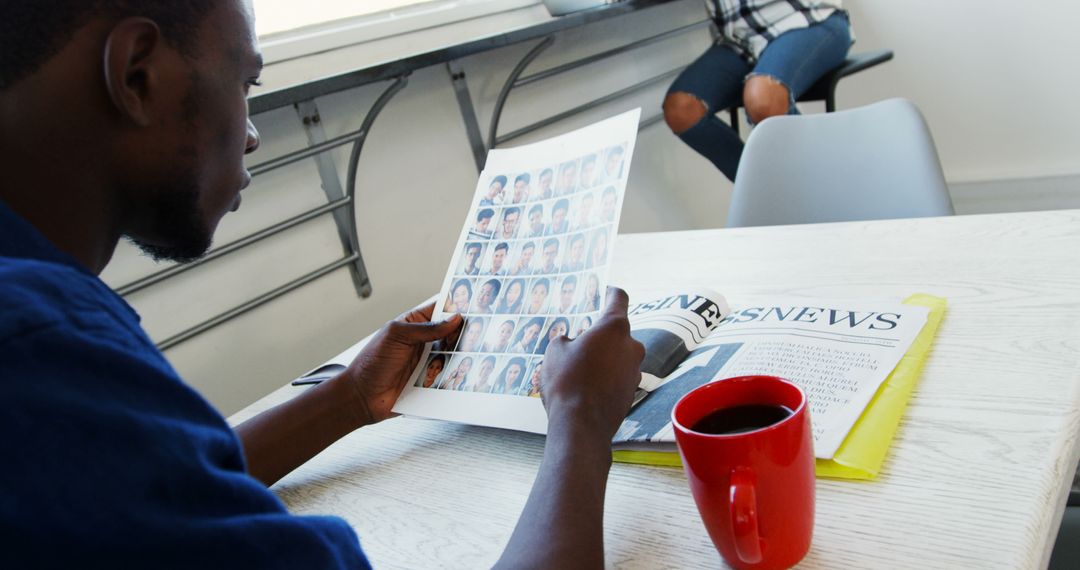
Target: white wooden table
x=976, y=478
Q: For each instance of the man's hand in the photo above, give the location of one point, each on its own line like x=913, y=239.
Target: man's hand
x=381, y=370
x=592, y=378
x=284, y=437
x=587, y=384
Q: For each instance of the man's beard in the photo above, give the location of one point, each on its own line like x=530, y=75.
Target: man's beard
x=179, y=224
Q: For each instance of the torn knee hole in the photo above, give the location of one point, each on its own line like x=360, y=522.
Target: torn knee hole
x=683, y=110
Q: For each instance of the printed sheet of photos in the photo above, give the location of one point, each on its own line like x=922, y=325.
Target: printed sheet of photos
x=531, y=265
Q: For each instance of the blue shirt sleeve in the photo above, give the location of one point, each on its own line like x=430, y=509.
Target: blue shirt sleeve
x=110, y=460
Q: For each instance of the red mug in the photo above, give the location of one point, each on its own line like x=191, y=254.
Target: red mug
x=754, y=489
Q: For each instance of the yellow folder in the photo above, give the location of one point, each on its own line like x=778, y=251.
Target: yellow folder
x=863, y=451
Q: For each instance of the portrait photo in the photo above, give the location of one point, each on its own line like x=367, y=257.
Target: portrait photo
x=487, y=295
x=549, y=257
x=457, y=374
x=472, y=333
x=470, y=258
x=513, y=297
x=511, y=375
x=500, y=334
x=527, y=337
x=436, y=363
x=536, y=301
x=558, y=326
x=459, y=299
x=522, y=258
x=495, y=263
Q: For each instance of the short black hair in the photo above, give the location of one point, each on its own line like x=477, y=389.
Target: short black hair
x=503, y=246
x=485, y=214
x=523, y=177
x=33, y=31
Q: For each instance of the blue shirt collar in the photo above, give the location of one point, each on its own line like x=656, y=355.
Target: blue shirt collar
x=19, y=239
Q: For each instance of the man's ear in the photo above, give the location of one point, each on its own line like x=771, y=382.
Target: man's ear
x=132, y=68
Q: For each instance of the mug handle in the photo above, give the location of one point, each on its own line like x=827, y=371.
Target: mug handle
x=744, y=522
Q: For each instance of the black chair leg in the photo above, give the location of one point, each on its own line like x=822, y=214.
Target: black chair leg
x=733, y=114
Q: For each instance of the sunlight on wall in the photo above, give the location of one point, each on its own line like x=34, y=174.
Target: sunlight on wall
x=274, y=16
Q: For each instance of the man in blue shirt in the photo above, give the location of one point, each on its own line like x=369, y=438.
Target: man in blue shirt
x=127, y=118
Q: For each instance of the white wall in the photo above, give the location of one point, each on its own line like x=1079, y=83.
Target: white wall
x=995, y=80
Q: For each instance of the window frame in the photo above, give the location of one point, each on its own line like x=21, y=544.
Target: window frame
x=327, y=36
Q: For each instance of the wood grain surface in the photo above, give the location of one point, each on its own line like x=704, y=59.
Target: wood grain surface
x=977, y=475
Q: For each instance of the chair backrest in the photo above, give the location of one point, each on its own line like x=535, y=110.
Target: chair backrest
x=873, y=162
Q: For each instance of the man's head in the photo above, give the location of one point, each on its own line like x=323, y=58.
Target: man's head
x=566, y=293
x=588, y=171
x=567, y=177
x=613, y=166
x=496, y=187
x=483, y=219
x=472, y=256
x=558, y=213
x=607, y=204
x=536, y=218
x=499, y=256
x=521, y=188
x=510, y=221
x=585, y=209
x=148, y=98
x=551, y=253
x=527, y=251
x=577, y=249
x=545, y=180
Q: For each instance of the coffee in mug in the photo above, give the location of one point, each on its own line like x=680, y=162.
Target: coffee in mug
x=747, y=448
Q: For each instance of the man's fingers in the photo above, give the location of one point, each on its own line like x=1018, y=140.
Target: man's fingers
x=428, y=331
x=618, y=302
x=421, y=314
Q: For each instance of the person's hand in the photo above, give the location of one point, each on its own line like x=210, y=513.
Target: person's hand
x=383, y=367
x=592, y=378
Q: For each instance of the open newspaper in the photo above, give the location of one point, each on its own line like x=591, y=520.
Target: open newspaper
x=838, y=351
x=530, y=265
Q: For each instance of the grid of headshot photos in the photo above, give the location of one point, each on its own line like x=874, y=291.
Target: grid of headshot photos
x=531, y=267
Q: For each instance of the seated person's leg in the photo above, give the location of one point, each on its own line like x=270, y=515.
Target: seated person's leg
x=712, y=83
x=792, y=63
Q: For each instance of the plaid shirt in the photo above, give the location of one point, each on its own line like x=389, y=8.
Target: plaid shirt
x=749, y=25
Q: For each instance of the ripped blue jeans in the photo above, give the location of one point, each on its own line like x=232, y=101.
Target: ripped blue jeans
x=796, y=59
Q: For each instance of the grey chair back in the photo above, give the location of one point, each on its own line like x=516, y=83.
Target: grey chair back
x=873, y=162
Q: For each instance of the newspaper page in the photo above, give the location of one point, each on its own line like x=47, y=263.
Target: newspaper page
x=531, y=264
x=838, y=351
